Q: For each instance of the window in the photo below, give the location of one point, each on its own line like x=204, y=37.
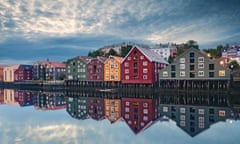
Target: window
x=222, y=113
x=192, y=67
x=182, y=123
x=200, y=65
x=145, y=63
x=141, y=57
x=126, y=64
x=191, y=60
x=173, y=68
x=127, y=103
x=200, y=59
x=221, y=73
x=135, y=71
x=145, y=77
x=126, y=116
x=182, y=117
x=135, y=64
x=173, y=74
x=182, y=73
x=211, y=66
x=145, y=118
x=126, y=71
x=201, y=111
x=145, y=70
x=145, y=104
x=127, y=109
x=191, y=54
x=165, y=109
x=182, y=110
x=211, y=74
x=127, y=77
x=201, y=119
x=182, y=60
x=129, y=58
x=192, y=74
x=182, y=66
x=145, y=111
x=165, y=74
x=200, y=73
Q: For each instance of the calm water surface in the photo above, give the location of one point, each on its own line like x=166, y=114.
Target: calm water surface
x=127, y=116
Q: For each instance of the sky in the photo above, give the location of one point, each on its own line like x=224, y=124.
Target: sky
x=32, y=30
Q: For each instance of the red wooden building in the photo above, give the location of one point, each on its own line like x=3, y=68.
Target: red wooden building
x=141, y=66
x=96, y=69
x=138, y=113
x=24, y=72
x=24, y=98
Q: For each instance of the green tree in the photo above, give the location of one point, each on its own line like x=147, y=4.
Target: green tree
x=170, y=59
x=95, y=53
x=124, y=50
x=112, y=52
x=233, y=65
x=62, y=76
x=192, y=43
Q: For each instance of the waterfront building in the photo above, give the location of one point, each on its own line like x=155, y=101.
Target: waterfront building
x=141, y=66
x=8, y=73
x=24, y=72
x=96, y=108
x=232, y=52
x=165, y=50
x=76, y=68
x=9, y=97
x=112, y=109
x=95, y=69
x=138, y=113
x=1, y=96
x=112, y=68
x=194, y=65
x=77, y=107
x=47, y=70
x=1, y=72
x=194, y=119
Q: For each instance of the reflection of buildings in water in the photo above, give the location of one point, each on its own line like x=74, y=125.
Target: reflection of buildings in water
x=112, y=109
x=1, y=96
x=49, y=101
x=139, y=113
x=195, y=119
x=96, y=108
x=24, y=98
x=9, y=97
x=77, y=107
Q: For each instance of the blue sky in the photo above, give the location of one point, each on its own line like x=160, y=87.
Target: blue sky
x=39, y=29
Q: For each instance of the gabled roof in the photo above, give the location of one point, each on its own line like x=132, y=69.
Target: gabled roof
x=117, y=58
x=100, y=58
x=27, y=67
x=58, y=65
x=85, y=59
x=152, y=56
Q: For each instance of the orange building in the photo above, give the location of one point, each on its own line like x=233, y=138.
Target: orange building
x=112, y=68
x=1, y=96
x=112, y=109
x=1, y=72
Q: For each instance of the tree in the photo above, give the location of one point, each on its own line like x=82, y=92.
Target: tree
x=62, y=76
x=112, y=52
x=95, y=53
x=192, y=43
x=125, y=50
x=170, y=59
x=233, y=65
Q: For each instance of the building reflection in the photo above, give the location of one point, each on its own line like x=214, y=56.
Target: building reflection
x=112, y=108
x=1, y=96
x=49, y=101
x=17, y=97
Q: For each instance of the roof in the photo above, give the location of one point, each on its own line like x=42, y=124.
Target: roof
x=54, y=64
x=12, y=67
x=86, y=59
x=27, y=67
x=152, y=56
x=100, y=58
x=117, y=58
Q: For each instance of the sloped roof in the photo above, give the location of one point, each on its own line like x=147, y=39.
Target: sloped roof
x=152, y=56
x=27, y=67
x=86, y=59
x=58, y=65
x=117, y=58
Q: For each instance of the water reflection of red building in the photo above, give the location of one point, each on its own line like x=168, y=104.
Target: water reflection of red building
x=24, y=98
x=1, y=96
x=139, y=113
x=96, y=108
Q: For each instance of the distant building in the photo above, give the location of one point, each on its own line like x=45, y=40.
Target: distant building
x=141, y=66
x=96, y=69
x=8, y=73
x=112, y=109
x=24, y=98
x=76, y=68
x=112, y=68
x=232, y=52
x=46, y=70
x=193, y=65
x=1, y=72
x=165, y=50
x=24, y=72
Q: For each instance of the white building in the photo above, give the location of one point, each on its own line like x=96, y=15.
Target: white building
x=165, y=50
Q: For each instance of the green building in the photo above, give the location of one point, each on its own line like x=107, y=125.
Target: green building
x=195, y=66
x=76, y=68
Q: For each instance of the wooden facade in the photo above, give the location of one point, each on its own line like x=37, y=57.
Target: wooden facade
x=76, y=68
x=96, y=69
x=77, y=107
x=1, y=72
x=141, y=66
x=24, y=72
x=112, y=69
x=96, y=108
x=8, y=73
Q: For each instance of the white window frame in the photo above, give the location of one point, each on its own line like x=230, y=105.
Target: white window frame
x=165, y=74
x=200, y=65
x=201, y=59
x=182, y=60
x=182, y=74
x=182, y=66
x=221, y=72
x=201, y=73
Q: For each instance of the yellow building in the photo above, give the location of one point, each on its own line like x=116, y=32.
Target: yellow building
x=112, y=68
x=112, y=109
x=9, y=98
x=8, y=73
